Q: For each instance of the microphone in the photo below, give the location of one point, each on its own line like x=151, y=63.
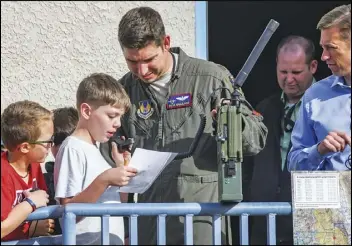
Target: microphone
x=123, y=145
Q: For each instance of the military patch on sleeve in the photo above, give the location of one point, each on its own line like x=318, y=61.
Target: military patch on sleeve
x=145, y=109
x=179, y=101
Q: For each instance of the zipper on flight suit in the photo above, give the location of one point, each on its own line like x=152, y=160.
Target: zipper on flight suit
x=163, y=106
x=162, y=120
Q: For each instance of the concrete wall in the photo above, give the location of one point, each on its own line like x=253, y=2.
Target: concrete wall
x=47, y=48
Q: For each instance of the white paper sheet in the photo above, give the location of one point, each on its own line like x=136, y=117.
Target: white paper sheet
x=149, y=164
x=316, y=190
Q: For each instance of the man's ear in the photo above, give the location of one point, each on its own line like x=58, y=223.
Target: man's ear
x=24, y=147
x=313, y=66
x=86, y=110
x=166, y=44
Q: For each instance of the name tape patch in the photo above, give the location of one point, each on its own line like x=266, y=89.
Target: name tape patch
x=179, y=101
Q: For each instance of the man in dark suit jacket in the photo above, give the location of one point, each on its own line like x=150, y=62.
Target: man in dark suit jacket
x=271, y=181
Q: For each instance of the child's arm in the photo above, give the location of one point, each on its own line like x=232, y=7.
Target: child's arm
x=15, y=218
x=21, y=211
x=69, y=177
x=47, y=226
x=89, y=195
x=118, y=176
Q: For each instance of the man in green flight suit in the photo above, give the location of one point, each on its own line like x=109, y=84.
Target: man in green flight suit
x=169, y=91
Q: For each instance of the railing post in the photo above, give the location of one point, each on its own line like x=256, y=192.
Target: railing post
x=161, y=229
x=133, y=237
x=271, y=229
x=188, y=229
x=217, y=229
x=244, y=229
x=69, y=229
x=105, y=230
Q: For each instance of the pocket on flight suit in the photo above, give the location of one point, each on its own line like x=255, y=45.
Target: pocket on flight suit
x=198, y=188
x=144, y=132
x=141, y=125
x=176, y=118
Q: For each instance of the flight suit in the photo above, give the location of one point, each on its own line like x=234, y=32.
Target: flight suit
x=170, y=124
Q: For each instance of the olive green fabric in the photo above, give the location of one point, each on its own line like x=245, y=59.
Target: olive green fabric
x=193, y=179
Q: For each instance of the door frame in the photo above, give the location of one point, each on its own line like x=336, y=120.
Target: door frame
x=201, y=26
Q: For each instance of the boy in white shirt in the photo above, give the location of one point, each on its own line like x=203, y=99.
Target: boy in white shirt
x=81, y=174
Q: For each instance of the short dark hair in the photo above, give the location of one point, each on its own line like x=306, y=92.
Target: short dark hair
x=139, y=27
x=291, y=42
x=65, y=122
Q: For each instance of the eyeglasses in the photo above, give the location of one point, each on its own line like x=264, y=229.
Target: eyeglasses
x=49, y=143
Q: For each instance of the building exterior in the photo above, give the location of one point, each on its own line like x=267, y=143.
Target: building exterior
x=48, y=47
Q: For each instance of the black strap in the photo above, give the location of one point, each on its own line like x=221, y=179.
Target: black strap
x=288, y=122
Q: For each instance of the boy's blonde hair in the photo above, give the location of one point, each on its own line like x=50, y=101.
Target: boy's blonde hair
x=21, y=122
x=339, y=17
x=101, y=89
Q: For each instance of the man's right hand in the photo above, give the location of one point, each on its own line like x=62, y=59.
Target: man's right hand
x=334, y=142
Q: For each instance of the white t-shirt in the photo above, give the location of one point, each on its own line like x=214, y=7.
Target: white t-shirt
x=161, y=86
x=77, y=164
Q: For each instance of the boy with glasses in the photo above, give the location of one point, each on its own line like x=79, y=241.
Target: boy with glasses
x=26, y=131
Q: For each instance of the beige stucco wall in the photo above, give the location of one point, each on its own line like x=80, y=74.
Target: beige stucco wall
x=47, y=48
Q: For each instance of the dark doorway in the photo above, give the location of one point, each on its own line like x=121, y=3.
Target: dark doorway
x=235, y=27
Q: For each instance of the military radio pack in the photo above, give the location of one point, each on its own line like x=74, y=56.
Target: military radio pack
x=229, y=127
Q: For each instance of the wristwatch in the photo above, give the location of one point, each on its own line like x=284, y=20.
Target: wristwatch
x=34, y=207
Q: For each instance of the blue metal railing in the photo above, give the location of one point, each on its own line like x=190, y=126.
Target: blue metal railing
x=50, y=212
x=161, y=210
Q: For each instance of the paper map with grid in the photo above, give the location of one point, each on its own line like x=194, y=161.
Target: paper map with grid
x=321, y=203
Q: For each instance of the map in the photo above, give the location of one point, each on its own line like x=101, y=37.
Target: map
x=321, y=208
